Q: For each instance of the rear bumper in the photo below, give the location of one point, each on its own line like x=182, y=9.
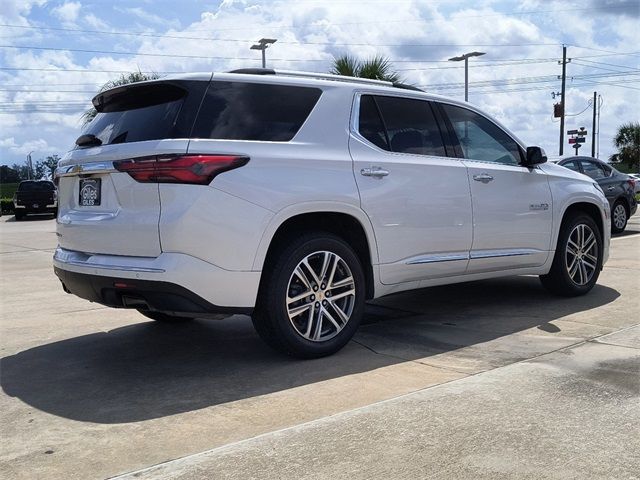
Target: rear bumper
x=171, y=282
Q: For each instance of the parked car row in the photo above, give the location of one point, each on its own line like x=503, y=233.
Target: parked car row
x=619, y=188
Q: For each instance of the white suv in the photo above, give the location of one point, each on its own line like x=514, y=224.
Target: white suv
x=296, y=197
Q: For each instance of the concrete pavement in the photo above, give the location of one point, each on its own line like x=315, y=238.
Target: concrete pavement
x=90, y=392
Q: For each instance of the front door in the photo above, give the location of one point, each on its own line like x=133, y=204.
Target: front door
x=512, y=204
x=417, y=198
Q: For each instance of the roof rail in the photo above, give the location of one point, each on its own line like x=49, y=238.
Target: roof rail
x=330, y=76
x=324, y=76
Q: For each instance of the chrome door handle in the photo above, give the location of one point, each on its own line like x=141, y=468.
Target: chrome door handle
x=610, y=188
x=483, y=177
x=374, y=172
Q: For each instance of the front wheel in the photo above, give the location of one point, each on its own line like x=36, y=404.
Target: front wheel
x=312, y=297
x=578, y=258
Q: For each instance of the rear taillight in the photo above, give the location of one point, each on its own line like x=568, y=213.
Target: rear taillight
x=194, y=169
x=632, y=183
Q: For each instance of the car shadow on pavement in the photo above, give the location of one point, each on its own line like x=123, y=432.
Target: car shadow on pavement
x=149, y=370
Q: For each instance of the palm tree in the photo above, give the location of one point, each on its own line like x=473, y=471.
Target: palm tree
x=132, y=77
x=627, y=141
x=376, y=68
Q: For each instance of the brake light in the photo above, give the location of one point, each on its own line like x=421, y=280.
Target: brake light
x=632, y=183
x=193, y=169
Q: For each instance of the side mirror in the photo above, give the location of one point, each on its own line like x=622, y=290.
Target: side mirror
x=535, y=156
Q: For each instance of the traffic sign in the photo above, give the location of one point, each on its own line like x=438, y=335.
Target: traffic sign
x=577, y=140
x=580, y=132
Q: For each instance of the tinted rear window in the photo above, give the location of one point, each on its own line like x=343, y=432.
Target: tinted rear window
x=253, y=111
x=139, y=113
x=35, y=186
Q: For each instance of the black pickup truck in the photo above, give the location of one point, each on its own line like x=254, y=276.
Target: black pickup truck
x=35, y=196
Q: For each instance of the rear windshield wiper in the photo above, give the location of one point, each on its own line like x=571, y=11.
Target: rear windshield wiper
x=88, y=140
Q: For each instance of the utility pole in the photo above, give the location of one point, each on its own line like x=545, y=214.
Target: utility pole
x=263, y=44
x=29, y=166
x=593, y=125
x=562, y=99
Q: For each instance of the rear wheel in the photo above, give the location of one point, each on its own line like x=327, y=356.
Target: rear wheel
x=164, y=317
x=578, y=258
x=619, y=217
x=19, y=215
x=312, y=297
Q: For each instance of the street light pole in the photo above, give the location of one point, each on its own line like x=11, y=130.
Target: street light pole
x=465, y=57
x=262, y=45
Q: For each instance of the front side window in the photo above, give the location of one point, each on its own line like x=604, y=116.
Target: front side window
x=254, y=111
x=407, y=125
x=482, y=139
x=592, y=169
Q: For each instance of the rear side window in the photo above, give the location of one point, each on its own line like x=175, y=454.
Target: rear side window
x=370, y=124
x=138, y=113
x=254, y=111
x=409, y=125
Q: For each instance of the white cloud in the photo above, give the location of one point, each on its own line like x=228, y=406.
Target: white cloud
x=14, y=12
x=39, y=145
x=148, y=17
x=67, y=12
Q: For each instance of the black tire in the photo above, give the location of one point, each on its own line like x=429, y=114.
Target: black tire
x=164, y=317
x=624, y=209
x=559, y=280
x=19, y=216
x=270, y=317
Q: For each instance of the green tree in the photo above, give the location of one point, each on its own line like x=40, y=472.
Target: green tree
x=376, y=68
x=23, y=171
x=46, y=168
x=132, y=77
x=627, y=141
x=9, y=175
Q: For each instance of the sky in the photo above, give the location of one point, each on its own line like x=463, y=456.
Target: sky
x=55, y=55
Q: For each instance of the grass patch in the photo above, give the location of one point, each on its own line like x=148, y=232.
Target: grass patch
x=7, y=190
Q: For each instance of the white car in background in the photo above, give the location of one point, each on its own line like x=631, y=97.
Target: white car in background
x=295, y=197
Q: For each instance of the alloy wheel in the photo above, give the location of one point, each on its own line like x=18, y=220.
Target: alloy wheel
x=581, y=256
x=619, y=216
x=321, y=296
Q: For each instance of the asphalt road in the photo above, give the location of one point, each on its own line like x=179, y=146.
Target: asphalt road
x=493, y=379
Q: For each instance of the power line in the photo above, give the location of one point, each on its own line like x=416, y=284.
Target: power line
x=245, y=40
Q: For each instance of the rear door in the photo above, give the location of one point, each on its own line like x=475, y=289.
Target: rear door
x=416, y=196
x=512, y=204
x=103, y=210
